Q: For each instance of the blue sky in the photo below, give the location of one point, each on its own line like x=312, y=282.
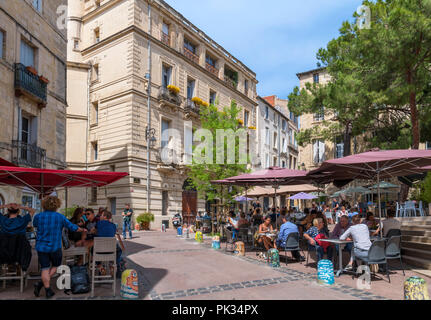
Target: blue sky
x=274, y=38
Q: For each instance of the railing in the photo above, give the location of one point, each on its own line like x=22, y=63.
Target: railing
x=29, y=155
x=167, y=95
x=191, y=106
x=231, y=82
x=168, y=156
x=190, y=55
x=166, y=39
x=212, y=69
x=27, y=82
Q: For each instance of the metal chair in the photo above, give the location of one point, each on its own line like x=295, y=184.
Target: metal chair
x=377, y=255
x=409, y=208
x=229, y=239
x=420, y=209
x=400, y=210
x=104, y=250
x=393, y=250
x=393, y=233
x=292, y=244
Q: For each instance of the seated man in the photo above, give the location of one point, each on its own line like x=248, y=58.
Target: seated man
x=106, y=229
x=390, y=222
x=287, y=228
x=13, y=223
x=90, y=224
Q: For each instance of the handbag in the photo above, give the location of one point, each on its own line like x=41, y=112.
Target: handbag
x=79, y=280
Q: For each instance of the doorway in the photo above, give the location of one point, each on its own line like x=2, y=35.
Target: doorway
x=190, y=202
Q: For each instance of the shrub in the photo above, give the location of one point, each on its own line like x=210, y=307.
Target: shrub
x=145, y=217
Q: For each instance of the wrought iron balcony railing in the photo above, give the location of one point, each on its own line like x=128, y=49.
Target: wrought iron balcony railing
x=231, y=82
x=28, y=155
x=191, y=55
x=167, y=95
x=166, y=39
x=212, y=69
x=30, y=84
x=191, y=106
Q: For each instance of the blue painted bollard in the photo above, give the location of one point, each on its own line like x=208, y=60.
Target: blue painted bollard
x=216, y=242
x=179, y=231
x=199, y=237
x=274, y=258
x=325, y=272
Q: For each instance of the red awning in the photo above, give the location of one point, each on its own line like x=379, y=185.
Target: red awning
x=46, y=180
x=6, y=163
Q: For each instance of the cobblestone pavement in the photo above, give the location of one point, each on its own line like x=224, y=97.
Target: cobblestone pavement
x=171, y=267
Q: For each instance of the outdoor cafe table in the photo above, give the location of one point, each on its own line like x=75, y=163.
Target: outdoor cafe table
x=341, y=244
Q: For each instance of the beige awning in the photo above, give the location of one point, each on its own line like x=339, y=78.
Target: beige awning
x=269, y=191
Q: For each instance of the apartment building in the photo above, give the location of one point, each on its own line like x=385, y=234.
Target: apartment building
x=32, y=89
x=109, y=123
x=276, y=128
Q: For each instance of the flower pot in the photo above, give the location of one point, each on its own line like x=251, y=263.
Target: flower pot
x=145, y=226
x=43, y=79
x=32, y=70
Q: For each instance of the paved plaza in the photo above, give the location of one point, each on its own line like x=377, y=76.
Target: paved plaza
x=170, y=267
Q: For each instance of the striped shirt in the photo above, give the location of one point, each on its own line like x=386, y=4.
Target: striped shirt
x=49, y=226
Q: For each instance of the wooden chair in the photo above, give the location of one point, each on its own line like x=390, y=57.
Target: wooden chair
x=104, y=250
x=18, y=274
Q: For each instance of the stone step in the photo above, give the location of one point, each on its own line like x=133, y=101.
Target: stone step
x=420, y=233
x=416, y=227
x=415, y=219
x=416, y=245
x=417, y=253
x=418, y=262
x=409, y=238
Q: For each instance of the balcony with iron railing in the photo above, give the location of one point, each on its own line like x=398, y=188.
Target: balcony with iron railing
x=212, y=69
x=190, y=55
x=28, y=155
x=30, y=84
x=231, y=82
x=166, y=39
x=191, y=107
x=166, y=95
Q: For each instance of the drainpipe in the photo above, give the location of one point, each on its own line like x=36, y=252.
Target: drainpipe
x=87, y=137
x=149, y=107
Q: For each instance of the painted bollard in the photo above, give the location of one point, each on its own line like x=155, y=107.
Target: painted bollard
x=129, y=284
x=239, y=248
x=325, y=272
x=216, y=242
x=198, y=237
x=179, y=231
x=415, y=288
x=187, y=233
x=274, y=258
x=163, y=227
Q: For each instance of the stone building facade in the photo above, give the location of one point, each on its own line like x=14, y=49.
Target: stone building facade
x=32, y=108
x=276, y=128
x=108, y=79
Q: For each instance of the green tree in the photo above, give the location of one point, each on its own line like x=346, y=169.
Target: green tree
x=201, y=174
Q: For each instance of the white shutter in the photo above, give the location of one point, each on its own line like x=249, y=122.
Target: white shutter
x=321, y=151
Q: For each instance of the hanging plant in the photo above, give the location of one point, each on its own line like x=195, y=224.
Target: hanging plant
x=32, y=70
x=197, y=100
x=43, y=79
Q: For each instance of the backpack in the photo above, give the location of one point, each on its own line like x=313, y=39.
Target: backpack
x=79, y=280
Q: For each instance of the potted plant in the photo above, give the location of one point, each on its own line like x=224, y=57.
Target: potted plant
x=43, y=79
x=144, y=220
x=173, y=89
x=31, y=70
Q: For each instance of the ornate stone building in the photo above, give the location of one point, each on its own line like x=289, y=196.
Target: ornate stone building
x=32, y=89
x=108, y=79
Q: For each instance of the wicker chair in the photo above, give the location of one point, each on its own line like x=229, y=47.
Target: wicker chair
x=104, y=250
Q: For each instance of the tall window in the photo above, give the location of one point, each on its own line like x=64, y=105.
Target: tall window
x=165, y=136
x=93, y=194
x=267, y=161
x=319, y=116
x=246, y=117
x=189, y=46
x=165, y=28
x=97, y=35
x=210, y=61
x=27, y=54
x=283, y=125
x=213, y=96
x=284, y=145
x=283, y=164
x=95, y=72
x=165, y=34
x=318, y=151
x=275, y=140
x=339, y=147
x=95, y=112
x=190, y=88
x=266, y=112
x=316, y=78
x=37, y=4
x=274, y=162
x=428, y=145
x=166, y=75
x=2, y=43
x=28, y=129
x=246, y=87
x=95, y=151
x=267, y=137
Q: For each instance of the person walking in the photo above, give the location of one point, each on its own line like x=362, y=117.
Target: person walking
x=127, y=221
x=49, y=225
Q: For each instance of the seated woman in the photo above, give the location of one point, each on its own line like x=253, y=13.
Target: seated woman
x=243, y=222
x=307, y=223
x=257, y=219
x=360, y=235
x=13, y=223
x=372, y=224
x=232, y=224
x=318, y=228
x=264, y=228
x=79, y=218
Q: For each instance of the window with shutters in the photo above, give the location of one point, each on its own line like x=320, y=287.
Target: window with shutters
x=318, y=151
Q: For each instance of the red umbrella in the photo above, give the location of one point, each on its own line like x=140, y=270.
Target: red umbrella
x=6, y=163
x=270, y=176
x=44, y=181
x=374, y=165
